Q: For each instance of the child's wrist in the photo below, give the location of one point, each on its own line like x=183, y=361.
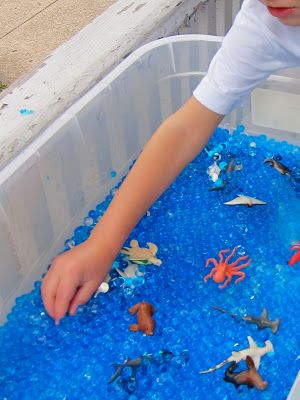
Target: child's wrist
x=102, y=247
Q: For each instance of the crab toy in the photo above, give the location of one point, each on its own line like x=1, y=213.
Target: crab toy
x=141, y=255
x=296, y=256
x=223, y=270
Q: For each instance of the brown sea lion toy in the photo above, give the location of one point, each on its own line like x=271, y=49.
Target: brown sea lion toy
x=144, y=317
x=250, y=377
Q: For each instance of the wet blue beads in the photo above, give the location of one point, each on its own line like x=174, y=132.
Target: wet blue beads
x=189, y=223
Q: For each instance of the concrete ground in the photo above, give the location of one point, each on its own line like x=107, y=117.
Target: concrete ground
x=31, y=29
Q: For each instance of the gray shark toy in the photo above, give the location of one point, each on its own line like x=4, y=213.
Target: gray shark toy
x=261, y=322
x=284, y=170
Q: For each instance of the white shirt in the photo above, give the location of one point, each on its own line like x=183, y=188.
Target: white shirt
x=256, y=45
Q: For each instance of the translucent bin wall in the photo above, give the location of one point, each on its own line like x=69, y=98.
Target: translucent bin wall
x=47, y=190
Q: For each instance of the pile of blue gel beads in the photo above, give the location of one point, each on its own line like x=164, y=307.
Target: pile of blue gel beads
x=189, y=223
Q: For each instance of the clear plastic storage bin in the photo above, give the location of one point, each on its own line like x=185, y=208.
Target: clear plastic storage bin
x=47, y=189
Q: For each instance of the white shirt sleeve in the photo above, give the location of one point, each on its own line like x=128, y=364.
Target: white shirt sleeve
x=250, y=52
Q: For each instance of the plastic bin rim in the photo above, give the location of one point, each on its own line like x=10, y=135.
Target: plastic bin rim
x=48, y=132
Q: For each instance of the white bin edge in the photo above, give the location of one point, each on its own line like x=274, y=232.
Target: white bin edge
x=75, y=66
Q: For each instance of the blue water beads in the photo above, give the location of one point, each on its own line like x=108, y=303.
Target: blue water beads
x=189, y=223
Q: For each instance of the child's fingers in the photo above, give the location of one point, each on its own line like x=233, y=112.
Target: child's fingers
x=82, y=296
x=66, y=290
x=48, y=290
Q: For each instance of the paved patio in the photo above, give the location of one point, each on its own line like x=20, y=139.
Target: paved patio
x=31, y=29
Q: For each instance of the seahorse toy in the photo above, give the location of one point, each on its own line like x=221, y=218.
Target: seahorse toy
x=145, y=323
x=295, y=257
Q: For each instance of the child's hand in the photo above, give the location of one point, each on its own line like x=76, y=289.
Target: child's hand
x=72, y=279
x=75, y=275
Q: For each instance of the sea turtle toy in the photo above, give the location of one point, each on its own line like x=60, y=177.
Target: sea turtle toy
x=142, y=255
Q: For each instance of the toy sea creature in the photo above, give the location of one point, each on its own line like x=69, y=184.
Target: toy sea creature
x=214, y=171
x=250, y=377
x=133, y=364
x=244, y=200
x=163, y=357
x=104, y=286
x=261, y=322
x=231, y=166
x=223, y=269
x=295, y=257
x=253, y=351
x=145, y=323
x=141, y=255
x=131, y=271
x=132, y=276
x=278, y=166
x=219, y=187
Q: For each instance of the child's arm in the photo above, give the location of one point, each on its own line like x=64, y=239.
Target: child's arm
x=75, y=275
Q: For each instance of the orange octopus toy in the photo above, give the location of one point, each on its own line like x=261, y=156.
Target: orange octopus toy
x=145, y=323
x=223, y=269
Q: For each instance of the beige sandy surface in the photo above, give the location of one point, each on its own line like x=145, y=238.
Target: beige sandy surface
x=31, y=29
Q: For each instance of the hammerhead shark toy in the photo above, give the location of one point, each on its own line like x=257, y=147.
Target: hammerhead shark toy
x=261, y=322
x=253, y=351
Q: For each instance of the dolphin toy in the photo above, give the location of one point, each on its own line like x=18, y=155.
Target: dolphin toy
x=133, y=364
x=244, y=200
x=253, y=351
x=261, y=322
